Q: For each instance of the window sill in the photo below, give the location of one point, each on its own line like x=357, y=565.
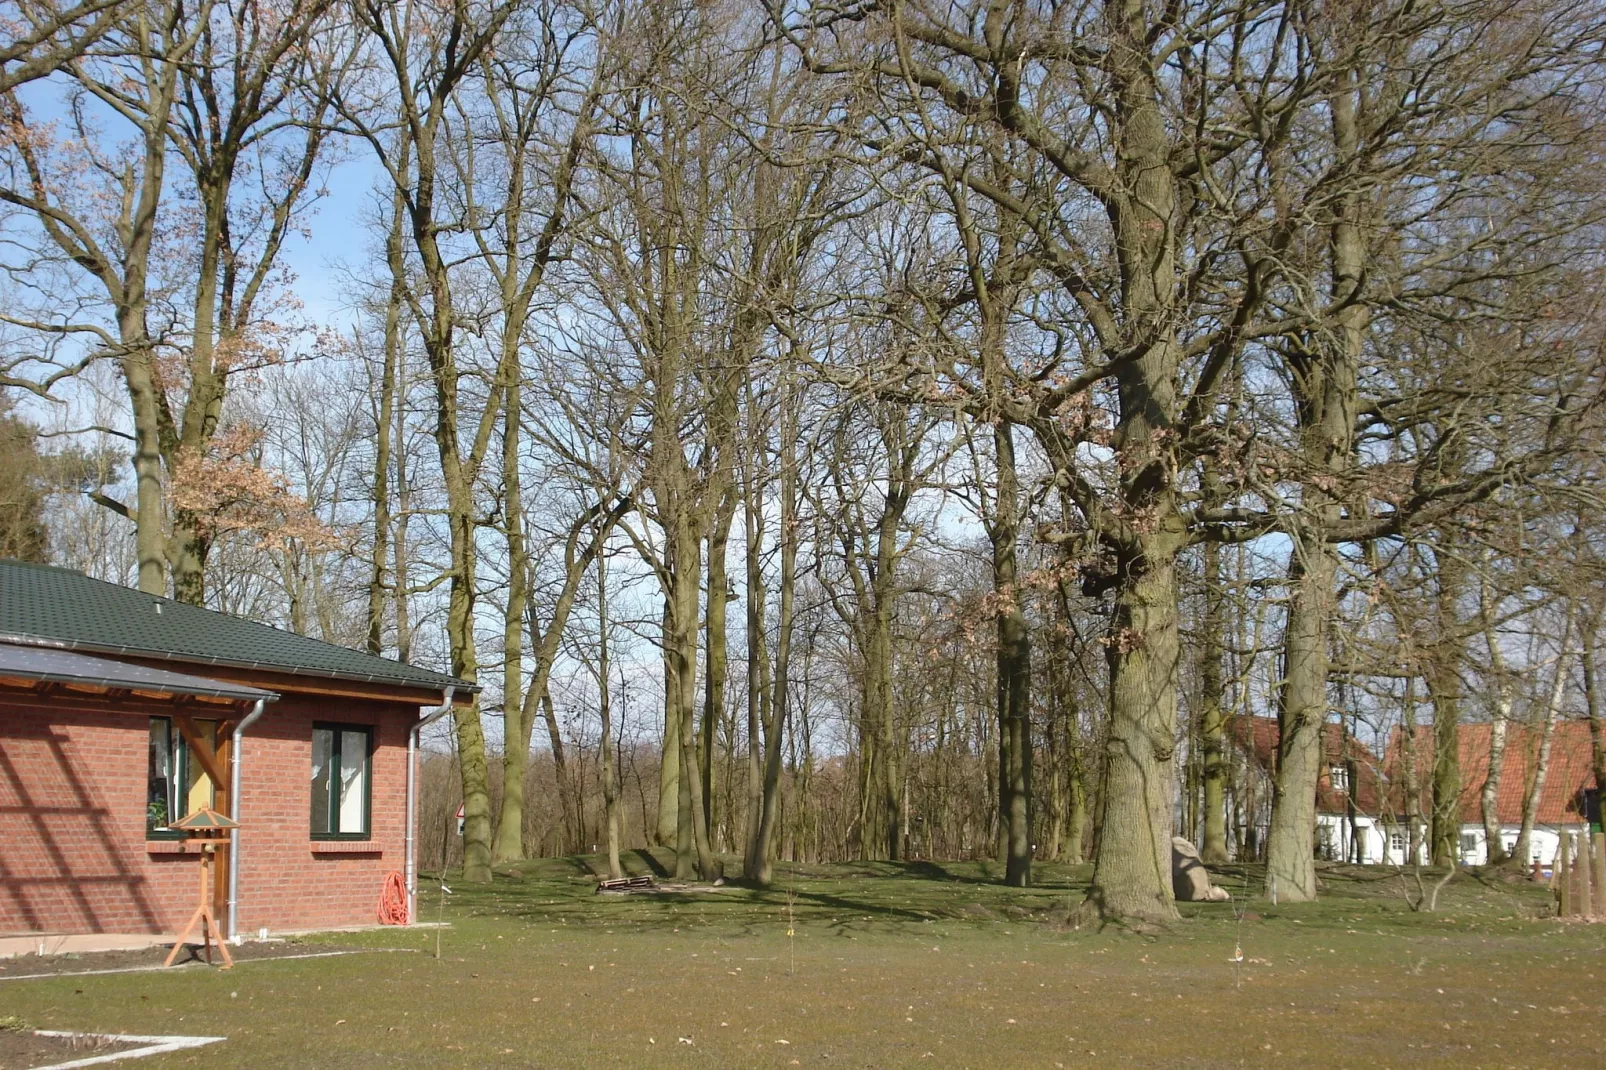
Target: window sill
x=346, y=847
x=172, y=847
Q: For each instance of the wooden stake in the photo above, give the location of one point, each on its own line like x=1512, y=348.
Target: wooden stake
x=1563, y=879
x=1586, y=894
x=1598, y=853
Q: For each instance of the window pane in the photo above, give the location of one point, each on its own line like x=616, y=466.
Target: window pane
x=353, y=780
x=323, y=742
x=159, y=777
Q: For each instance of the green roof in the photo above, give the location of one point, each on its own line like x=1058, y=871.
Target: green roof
x=54, y=665
x=59, y=607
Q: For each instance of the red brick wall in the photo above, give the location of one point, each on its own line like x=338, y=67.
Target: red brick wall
x=284, y=884
x=73, y=855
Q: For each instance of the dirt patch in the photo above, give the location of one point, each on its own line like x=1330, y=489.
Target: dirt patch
x=191, y=956
x=22, y=1047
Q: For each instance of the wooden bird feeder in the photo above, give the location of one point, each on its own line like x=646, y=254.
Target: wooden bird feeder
x=209, y=829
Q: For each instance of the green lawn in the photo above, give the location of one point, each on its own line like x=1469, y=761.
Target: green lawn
x=890, y=966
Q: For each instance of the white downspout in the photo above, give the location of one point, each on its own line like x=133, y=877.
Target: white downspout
x=412, y=798
x=234, y=806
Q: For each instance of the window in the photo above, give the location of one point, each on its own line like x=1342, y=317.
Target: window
x=340, y=781
x=1469, y=844
x=175, y=784
x=1338, y=776
x=1397, y=843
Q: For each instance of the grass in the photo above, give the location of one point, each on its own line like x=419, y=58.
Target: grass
x=895, y=965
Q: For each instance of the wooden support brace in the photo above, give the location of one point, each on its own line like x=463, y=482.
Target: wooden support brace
x=204, y=754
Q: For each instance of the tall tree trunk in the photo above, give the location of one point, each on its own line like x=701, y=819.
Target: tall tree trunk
x=1597, y=730
x=882, y=832
x=1547, y=733
x=150, y=543
x=758, y=671
x=1132, y=870
x=1325, y=402
x=610, y=786
x=1489, y=797
x=600, y=519
x=1132, y=874
x=1212, y=726
x=382, y=435
x=1014, y=670
x=1443, y=676
x=762, y=853
x=693, y=856
x=561, y=773
x=1413, y=775
x=400, y=570
x=509, y=843
x=715, y=669
x=667, y=832
x=1301, y=715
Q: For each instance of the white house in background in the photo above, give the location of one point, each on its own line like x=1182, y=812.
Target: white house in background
x=1360, y=811
x=1569, y=802
x=1354, y=820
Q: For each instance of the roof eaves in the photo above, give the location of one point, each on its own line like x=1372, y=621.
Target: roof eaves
x=235, y=694
x=264, y=666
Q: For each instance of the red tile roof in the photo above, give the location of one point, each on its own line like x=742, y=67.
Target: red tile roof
x=1258, y=737
x=1569, y=775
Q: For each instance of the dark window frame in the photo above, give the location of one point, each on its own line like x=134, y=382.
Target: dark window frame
x=336, y=729
x=178, y=773
x=179, y=753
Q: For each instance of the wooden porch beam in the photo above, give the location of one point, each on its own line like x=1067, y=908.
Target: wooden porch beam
x=203, y=752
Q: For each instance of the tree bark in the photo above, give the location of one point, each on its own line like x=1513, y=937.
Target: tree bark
x=610, y=786
x=1014, y=670
x=1325, y=399
x=1212, y=716
x=1597, y=728
x=761, y=855
x=667, y=832
x=508, y=845
x=1547, y=733
x=1443, y=675
x=716, y=665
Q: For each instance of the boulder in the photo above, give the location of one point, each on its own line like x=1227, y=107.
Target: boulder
x=1190, y=881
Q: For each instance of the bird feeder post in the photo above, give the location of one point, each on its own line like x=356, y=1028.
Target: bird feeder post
x=209, y=829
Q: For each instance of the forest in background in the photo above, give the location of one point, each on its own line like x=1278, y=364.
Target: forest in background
x=830, y=430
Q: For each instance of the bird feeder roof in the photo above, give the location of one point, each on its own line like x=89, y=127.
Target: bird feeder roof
x=205, y=819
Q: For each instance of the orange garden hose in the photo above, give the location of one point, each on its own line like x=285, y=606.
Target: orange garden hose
x=393, y=900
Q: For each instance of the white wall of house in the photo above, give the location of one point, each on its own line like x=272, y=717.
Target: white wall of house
x=1379, y=842
x=1388, y=843
x=1543, y=842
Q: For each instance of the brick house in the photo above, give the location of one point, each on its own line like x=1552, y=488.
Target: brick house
x=121, y=711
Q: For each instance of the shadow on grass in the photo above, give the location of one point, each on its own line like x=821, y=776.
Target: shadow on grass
x=888, y=898
x=653, y=866
x=931, y=871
